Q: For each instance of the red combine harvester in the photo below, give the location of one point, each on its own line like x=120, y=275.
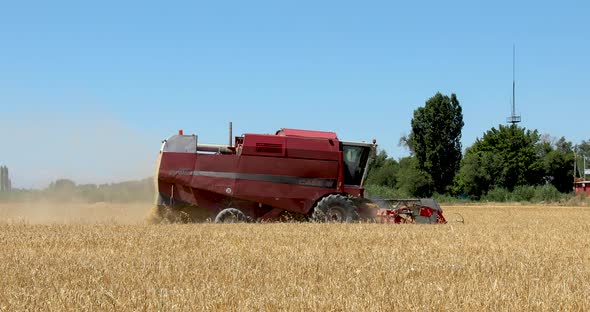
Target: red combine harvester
x=292, y=174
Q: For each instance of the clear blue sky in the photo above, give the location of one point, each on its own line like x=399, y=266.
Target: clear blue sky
x=88, y=90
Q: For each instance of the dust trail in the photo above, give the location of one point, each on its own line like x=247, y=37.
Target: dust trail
x=74, y=213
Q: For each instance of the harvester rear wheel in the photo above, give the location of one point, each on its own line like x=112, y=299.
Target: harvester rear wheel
x=335, y=208
x=230, y=215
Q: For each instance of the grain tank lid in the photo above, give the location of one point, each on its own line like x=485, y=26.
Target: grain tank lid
x=307, y=133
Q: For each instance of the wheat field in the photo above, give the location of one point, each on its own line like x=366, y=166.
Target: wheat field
x=504, y=258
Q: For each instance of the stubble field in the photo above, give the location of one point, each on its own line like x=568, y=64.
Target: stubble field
x=105, y=257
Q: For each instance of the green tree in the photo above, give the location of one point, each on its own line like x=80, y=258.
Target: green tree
x=435, y=139
x=383, y=171
x=412, y=180
x=503, y=157
x=61, y=190
x=558, y=162
x=478, y=173
x=582, y=151
x=62, y=185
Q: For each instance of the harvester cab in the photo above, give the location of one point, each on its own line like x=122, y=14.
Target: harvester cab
x=357, y=158
x=299, y=173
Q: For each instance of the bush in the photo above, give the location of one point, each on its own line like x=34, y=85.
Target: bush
x=448, y=199
x=548, y=193
x=497, y=194
x=523, y=193
x=380, y=191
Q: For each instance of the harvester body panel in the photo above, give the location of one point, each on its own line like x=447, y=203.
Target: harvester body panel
x=261, y=176
x=285, y=171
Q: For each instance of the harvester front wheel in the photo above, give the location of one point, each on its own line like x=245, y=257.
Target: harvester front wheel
x=230, y=215
x=335, y=208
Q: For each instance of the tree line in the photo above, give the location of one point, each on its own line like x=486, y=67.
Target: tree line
x=507, y=160
x=65, y=190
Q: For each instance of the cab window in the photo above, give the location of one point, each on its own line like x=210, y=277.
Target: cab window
x=355, y=159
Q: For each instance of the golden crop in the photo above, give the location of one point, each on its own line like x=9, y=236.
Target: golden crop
x=503, y=259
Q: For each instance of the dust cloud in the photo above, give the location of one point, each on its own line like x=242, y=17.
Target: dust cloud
x=90, y=148
x=74, y=213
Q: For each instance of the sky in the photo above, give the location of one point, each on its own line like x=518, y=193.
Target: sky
x=89, y=89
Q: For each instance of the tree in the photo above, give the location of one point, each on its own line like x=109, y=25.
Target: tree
x=435, y=139
x=511, y=156
x=478, y=173
x=503, y=157
x=62, y=185
x=61, y=190
x=558, y=168
x=383, y=171
x=412, y=180
x=558, y=163
x=582, y=151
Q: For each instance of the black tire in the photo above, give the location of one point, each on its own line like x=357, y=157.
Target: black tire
x=230, y=215
x=335, y=208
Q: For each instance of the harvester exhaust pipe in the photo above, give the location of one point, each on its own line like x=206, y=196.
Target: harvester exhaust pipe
x=230, y=134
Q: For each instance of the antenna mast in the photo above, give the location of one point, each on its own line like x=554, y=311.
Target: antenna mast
x=513, y=119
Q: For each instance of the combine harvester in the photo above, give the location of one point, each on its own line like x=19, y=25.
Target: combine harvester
x=292, y=174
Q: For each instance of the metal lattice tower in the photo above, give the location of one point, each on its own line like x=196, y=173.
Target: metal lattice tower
x=514, y=118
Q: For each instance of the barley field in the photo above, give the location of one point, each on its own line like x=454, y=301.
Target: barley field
x=80, y=257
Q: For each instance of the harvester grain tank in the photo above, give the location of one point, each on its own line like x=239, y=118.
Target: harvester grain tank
x=298, y=174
